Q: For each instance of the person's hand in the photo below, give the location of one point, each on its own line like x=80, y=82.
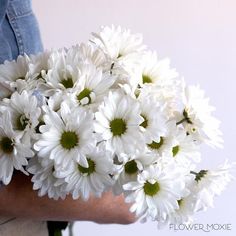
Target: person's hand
x=19, y=200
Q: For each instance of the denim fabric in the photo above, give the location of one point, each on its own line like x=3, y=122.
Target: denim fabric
x=19, y=32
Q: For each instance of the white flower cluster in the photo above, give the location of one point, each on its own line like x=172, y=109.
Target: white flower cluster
x=109, y=114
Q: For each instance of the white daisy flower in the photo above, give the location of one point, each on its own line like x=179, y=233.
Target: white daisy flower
x=118, y=42
x=186, y=210
x=197, y=118
x=11, y=72
x=211, y=183
x=25, y=113
x=166, y=143
x=185, y=150
x=61, y=75
x=123, y=48
x=39, y=65
x=155, y=71
x=66, y=137
x=130, y=168
x=88, y=53
x=54, y=101
x=94, y=179
x=13, y=153
x=156, y=191
x=166, y=96
x=44, y=180
x=154, y=125
x=117, y=120
x=92, y=86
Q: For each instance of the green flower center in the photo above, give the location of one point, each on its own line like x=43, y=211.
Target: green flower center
x=69, y=139
x=175, y=150
x=90, y=169
x=21, y=77
x=21, y=122
x=67, y=83
x=118, y=127
x=6, y=145
x=147, y=79
x=155, y=145
x=131, y=167
x=84, y=94
x=180, y=202
x=151, y=189
x=137, y=92
x=144, y=124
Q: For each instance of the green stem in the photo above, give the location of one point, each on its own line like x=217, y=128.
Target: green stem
x=112, y=66
x=193, y=172
x=181, y=121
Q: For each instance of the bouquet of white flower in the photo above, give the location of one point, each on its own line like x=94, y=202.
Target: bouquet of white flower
x=109, y=114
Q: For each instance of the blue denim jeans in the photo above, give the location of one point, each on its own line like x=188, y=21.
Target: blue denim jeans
x=19, y=32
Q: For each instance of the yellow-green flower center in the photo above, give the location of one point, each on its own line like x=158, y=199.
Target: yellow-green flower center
x=21, y=122
x=151, y=189
x=67, y=83
x=175, y=150
x=21, y=77
x=155, y=145
x=84, y=94
x=131, y=167
x=147, y=79
x=90, y=169
x=118, y=127
x=180, y=202
x=144, y=124
x=69, y=140
x=6, y=145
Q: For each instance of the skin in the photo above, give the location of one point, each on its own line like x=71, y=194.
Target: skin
x=19, y=200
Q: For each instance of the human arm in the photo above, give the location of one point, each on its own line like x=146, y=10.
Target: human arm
x=18, y=199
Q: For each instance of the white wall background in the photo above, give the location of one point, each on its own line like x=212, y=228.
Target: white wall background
x=198, y=35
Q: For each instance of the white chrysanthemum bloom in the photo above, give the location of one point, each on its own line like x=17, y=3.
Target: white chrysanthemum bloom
x=94, y=179
x=185, y=151
x=155, y=71
x=87, y=53
x=11, y=72
x=54, y=101
x=92, y=86
x=67, y=136
x=123, y=47
x=211, y=183
x=132, y=165
x=166, y=143
x=25, y=114
x=44, y=180
x=154, y=125
x=13, y=152
x=197, y=117
x=39, y=65
x=156, y=192
x=117, y=120
x=62, y=75
x=186, y=210
x=118, y=42
x=167, y=96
